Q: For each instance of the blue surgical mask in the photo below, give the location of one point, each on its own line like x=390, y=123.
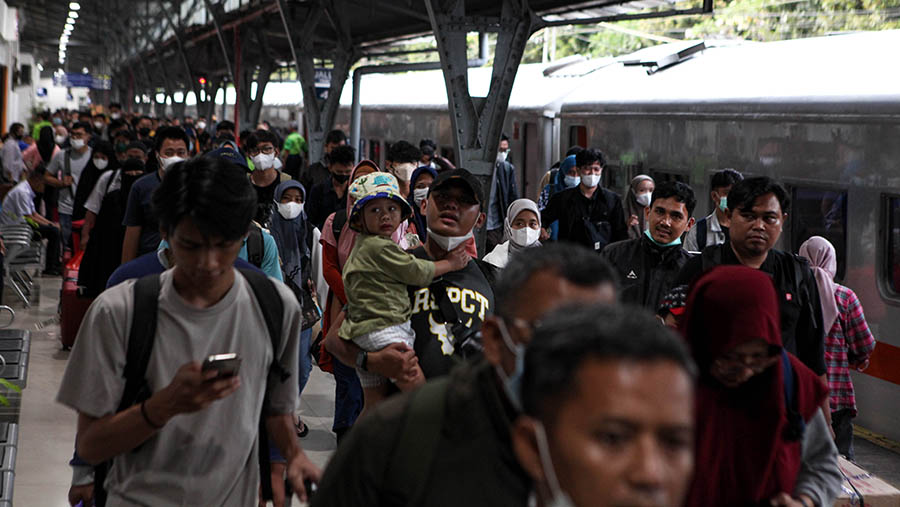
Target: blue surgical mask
x=657, y=243
x=723, y=203
x=512, y=384
x=572, y=181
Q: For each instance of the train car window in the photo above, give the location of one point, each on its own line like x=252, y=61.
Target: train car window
x=577, y=136
x=892, y=259
x=820, y=212
x=615, y=178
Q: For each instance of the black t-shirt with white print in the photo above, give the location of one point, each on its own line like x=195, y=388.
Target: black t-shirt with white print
x=471, y=296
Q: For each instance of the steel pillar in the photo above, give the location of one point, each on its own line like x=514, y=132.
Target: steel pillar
x=319, y=114
x=477, y=123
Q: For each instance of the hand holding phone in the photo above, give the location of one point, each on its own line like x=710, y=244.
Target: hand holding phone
x=227, y=365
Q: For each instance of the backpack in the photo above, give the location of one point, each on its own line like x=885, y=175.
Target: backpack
x=337, y=225
x=140, y=345
x=256, y=247
x=701, y=233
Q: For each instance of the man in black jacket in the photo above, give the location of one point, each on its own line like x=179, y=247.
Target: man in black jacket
x=648, y=265
x=757, y=211
x=504, y=191
x=588, y=214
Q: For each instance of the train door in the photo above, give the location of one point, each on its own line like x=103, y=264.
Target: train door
x=531, y=169
x=819, y=211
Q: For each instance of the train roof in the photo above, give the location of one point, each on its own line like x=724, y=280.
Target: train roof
x=838, y=74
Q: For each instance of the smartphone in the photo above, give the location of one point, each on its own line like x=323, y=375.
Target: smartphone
x=227, y=365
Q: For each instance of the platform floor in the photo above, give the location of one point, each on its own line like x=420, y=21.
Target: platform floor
x=47, y=429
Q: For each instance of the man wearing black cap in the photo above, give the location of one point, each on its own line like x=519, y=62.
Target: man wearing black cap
x=461, y=299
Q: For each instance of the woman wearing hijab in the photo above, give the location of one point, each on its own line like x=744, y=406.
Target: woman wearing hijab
x=763, y=438
x=419, y=183
x=102, y=233
x=636, y=201
x=521, y=230
x=849, y=342
x=103, y=159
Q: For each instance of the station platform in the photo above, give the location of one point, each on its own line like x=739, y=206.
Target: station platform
x=47, y=429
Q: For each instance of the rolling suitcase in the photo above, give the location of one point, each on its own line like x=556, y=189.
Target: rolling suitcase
x=72, y=305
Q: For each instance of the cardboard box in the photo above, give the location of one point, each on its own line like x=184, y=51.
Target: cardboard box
x=874, y=491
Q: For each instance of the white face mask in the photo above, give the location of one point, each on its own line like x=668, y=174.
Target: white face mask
x=290, y=210
x=98, y=125
x=277, y=164
x=644, y=199
x=59, y=139
x=501, y=156
x=558, y=497
x=201, y=125
x=115, y=116
x=448, y=242
x=78, y=143
x=263, y=161
x=166, y=163
x=404, y=171
x=101, y=163
x=590, y=180
x=526, y=236
x=572, y=181
x=419, y=195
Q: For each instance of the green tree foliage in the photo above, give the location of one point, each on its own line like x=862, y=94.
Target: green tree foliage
x=757, y=20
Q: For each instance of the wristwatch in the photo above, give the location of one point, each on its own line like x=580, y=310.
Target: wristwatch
x=361, y=359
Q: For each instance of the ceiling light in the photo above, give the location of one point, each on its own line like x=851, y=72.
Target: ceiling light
x=74, y=6
x=84, y=70
x=67, y=32
x=70, y=21
x=62, y=60
x=70, y=26
x=73, y=14
x=40, y=67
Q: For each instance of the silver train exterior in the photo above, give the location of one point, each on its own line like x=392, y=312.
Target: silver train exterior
x=821, y=115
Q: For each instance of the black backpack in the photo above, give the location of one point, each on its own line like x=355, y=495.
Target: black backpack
x=256, y=247
x=140, y=345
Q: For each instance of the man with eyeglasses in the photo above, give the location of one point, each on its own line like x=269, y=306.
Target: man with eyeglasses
x=588, y=214
x=65, y=170
x=449, y=442
x=261, y=147
x=757, y=210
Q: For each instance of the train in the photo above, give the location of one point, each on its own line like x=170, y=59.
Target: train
x=821, y=115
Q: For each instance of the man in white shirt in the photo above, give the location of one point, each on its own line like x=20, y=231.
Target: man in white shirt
x=11, y=153
x=713, y=229
x=19, y=205
x=64, y=171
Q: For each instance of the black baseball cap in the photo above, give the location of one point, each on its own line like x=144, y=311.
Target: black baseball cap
x=230, y=155
x=462, y=178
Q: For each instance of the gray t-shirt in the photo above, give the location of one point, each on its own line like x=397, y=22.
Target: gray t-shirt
x=208, y=457
x=57, y=166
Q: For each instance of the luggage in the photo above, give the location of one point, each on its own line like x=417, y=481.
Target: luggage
x=72, y=305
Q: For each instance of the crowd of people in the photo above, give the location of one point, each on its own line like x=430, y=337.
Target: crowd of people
x=602, y=351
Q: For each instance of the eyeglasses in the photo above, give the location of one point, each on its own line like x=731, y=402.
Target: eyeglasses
x=265, y=150
x=463, y=198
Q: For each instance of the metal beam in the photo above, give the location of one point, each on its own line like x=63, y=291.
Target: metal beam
x=217, y=23
x=184, y=59
x=706, y=9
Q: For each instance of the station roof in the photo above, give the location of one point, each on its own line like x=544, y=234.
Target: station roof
x=110, y=35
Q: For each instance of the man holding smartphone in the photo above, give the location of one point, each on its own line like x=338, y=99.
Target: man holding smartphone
x=194, y=440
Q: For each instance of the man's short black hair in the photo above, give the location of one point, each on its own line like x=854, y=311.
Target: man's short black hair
x=427, y=142
x=116, y=125
x=504, y=137
x=16, y=126
x=745, y=193
x=588, y=156
x=573, y=263
x=82, y=125
x=725, y=178
x=343, y=155
x=265, y=136
x=225, y=125
x=115, y=104
x=213, y=193
x=568, y=337
x=682, y=192
x=336, y=136
x=164, y=133
x=403, y=152
x=38, y=172
x=146, y=117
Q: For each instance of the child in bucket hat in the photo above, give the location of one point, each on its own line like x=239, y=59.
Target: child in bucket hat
x=376, y=277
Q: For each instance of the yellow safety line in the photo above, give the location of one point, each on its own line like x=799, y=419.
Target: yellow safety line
x=877, y=439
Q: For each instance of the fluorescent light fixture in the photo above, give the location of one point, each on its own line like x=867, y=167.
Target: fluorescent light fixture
x=40, y=67
x=84, y=70
x=70, y=21
x=62, y=60
x=74, y=6
x=73, y=14
x=70, y=26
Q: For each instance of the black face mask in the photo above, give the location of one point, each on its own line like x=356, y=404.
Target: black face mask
x=340, y=178
x=144, y=132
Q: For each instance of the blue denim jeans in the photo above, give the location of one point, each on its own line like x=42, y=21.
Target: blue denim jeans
x=305, y=359
x=65, y=228
x=348, y=396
